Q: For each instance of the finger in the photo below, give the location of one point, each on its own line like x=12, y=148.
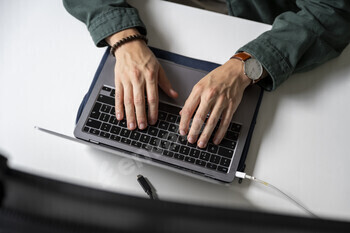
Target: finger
x=152, y=98
x=187, y=111
x=165, y=84
x=197, y=122
x=210, y=124
x=119, y=98
x=225, y=122
x=139, y=102
x=129, y=106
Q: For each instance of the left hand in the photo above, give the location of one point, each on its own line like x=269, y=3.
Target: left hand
x=219, y=94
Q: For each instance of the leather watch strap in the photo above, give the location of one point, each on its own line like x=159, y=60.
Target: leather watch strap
x=241, y=56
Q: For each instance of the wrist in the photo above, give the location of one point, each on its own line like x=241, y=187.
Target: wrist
x=237, y=71
x=112, y=39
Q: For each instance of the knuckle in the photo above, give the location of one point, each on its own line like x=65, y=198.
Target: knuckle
x=128, y=101
x=199, y=118
x=152, y=99
x=186, y=111
x=211, y=93
x=139, y=100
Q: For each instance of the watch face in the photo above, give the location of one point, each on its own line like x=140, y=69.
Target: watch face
x=253, y=69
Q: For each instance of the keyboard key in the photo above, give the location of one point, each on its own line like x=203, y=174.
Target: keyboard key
x=200, y=163
x=173, y=128
x=168, y=153
x=211, y=166
x=223, y=169
x=86, y=129
x=179, y=156
x=184, y=150
x=190, y=160
x=145, y=138
x=152, y=131
x=106, y=88
x=136, y=144
x=163, y=125
x=104, y=117
x=94, y=131
x=105, y=135
x=105, y=99
x=113, y=120
x=154, y=141
x=182, y=140
x=225, y=162
x=172, y=137
x=95, y=113
x=125, y=133
x=225, y=152
x=112, y=93
x=162, y=134
x=125, y=141
x=106, y=108
x=215, y=159
x=146, y=147
x=228, y=143
x=231, y=135
x=161, y=115
x=157, y=150
x=93, y=124
x=115, y=130
x=212, y=148
x=135, y=135
x=204, y=156
x=164, y=144
x=194, y=153
x=115, y=138
x=235, y=127
x=106, y=127
x=123, y=123
x=112, y=111
x=174, y=147
x=194, y=145
x=171, y=118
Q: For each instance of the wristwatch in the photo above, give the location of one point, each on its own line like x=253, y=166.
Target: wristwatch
x=252, y=68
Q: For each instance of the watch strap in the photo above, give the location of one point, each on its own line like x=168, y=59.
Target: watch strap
x=241, y=56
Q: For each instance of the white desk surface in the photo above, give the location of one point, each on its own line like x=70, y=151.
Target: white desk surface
x=300, y=143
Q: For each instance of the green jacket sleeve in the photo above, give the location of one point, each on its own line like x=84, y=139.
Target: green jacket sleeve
x=105, y=17
x=302, y=40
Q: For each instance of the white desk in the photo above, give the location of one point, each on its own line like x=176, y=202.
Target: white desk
x=47, y=61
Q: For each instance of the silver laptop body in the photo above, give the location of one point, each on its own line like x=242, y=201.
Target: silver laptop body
x=209, y=164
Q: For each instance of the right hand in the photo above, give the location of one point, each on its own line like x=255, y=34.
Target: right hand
x=137, y=70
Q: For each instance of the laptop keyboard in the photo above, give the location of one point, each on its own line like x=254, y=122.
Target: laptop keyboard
x=163, y=137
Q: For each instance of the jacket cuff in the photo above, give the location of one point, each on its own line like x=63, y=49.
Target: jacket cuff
x=276, y=65
x=113, y=21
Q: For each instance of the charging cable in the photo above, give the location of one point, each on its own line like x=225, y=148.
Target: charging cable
x=245, y=176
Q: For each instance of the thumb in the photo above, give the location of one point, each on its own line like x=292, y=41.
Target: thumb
x=165, y=85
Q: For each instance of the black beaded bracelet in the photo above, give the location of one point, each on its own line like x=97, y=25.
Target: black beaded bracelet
x=126, y=40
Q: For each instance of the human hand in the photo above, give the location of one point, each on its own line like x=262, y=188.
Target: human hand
x=218, y=93
x=137, y=70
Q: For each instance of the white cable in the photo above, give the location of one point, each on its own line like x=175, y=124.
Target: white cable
x=245, y=176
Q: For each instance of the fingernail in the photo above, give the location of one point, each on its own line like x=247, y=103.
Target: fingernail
x=142, y=125
x=216, y=141
x=152, y=121
x=119, y=116
x=182, y=132
x=190, y=140
x=131, y=125
x=201, y=144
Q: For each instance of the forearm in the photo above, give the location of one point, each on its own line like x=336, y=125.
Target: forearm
x=104, y=18
x=303, y=40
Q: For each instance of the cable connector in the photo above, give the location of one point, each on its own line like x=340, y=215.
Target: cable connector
x=243, y=175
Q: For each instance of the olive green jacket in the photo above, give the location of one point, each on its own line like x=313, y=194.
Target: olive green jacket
x=304, y=34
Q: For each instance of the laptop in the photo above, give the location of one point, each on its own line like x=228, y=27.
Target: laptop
x=161, y=144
